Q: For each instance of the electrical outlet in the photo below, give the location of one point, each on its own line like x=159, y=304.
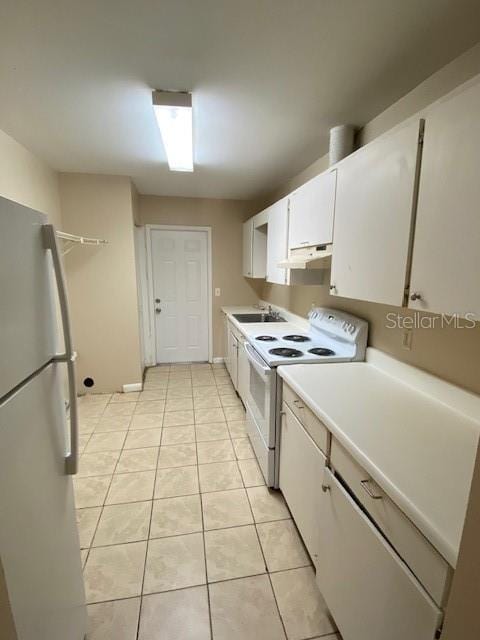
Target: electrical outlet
x=407, y=339
x=217, y=292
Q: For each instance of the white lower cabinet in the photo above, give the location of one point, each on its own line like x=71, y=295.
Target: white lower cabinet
x=236, y=360
x=232, y=359
x=369, y=590
x=226, y=331
x=243, y=371
x=301, y=472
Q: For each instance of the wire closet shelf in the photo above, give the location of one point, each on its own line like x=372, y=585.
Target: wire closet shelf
x=71, y=240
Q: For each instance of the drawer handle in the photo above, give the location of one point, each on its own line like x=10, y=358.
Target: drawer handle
x=298, y=405
x=366, y=486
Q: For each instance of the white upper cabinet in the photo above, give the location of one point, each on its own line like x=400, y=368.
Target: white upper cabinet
x=312, y=209
x=373, y=218
x=277, y=242
x=446, y=254
x=255, y=246
x=247, y=248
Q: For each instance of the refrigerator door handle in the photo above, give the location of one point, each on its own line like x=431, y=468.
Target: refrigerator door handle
x=50, y=241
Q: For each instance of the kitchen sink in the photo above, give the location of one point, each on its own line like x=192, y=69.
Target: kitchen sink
x=258, y=317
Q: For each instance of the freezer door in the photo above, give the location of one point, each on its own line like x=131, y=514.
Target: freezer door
x=39, y=546
x=27, y=313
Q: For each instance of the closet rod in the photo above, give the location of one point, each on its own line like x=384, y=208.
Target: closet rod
x=70, y=237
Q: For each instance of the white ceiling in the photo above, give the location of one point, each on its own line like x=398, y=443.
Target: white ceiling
x=269, y=78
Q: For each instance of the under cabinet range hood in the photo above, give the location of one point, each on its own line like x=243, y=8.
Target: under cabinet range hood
x=317, y=257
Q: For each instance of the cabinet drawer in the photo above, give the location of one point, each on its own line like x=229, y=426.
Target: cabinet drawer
x=424, y=561
x=314, y=427
x=302, y=466
x=369, y=590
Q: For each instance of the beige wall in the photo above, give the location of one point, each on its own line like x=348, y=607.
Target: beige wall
x=7, y=624
x=27, y=179
x=451, y=354
x=101, y=280
x=225, y=217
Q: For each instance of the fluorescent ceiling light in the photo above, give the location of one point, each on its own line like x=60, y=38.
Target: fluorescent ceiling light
x=173, y=111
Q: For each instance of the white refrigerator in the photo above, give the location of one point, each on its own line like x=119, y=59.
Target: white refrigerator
x=41, y=586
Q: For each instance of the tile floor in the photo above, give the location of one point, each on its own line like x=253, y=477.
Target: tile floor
x=180, y=537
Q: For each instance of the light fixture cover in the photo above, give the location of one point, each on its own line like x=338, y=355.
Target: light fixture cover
x=173, y=111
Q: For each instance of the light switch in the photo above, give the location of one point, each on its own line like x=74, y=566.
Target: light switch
x=217, y=292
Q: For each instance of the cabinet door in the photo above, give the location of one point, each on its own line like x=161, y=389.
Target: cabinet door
x=226, y=350
x=446, y=254
x=312, y=208
x=243, y=372
x=259, y=251
x=371, y=593
x=301, y=472
x=277, y=241
x=373, y=218
x=247, y=247
x=232, y=358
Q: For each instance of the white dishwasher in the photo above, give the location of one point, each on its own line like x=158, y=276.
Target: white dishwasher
x=370, y=591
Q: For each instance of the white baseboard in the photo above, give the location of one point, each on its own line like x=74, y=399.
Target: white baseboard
x=218, y=360
x=135, y=386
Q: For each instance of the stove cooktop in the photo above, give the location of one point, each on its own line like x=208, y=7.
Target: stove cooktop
x=276, y=350
x=333, y=336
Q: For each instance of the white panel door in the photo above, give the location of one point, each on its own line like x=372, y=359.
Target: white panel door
x=180, y=292
x=39, y=546
x=312, y=209
x=277, y=242
x=373, y=218
x=371, y=593
x=446, y=254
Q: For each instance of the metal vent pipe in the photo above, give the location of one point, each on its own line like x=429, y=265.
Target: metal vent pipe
x=341, y=142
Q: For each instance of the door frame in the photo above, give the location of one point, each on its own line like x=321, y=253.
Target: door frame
x=151, y=349
x=144, y=319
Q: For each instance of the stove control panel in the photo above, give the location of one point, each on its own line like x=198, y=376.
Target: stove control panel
x=342, y=326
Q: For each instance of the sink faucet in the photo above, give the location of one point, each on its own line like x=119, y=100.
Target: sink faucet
x=272, y=313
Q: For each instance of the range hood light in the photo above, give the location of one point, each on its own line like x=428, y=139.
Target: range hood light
x=173, y=112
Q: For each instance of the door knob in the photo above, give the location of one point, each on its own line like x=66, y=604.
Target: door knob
x=416, y=296
x=157, y=300
x=158, y=310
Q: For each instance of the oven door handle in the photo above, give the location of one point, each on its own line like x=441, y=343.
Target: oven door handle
x=256, y=361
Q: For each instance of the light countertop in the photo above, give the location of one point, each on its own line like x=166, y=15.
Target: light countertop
x=415, y=435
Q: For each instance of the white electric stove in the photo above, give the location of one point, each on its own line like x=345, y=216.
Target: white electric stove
x=332, y=336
